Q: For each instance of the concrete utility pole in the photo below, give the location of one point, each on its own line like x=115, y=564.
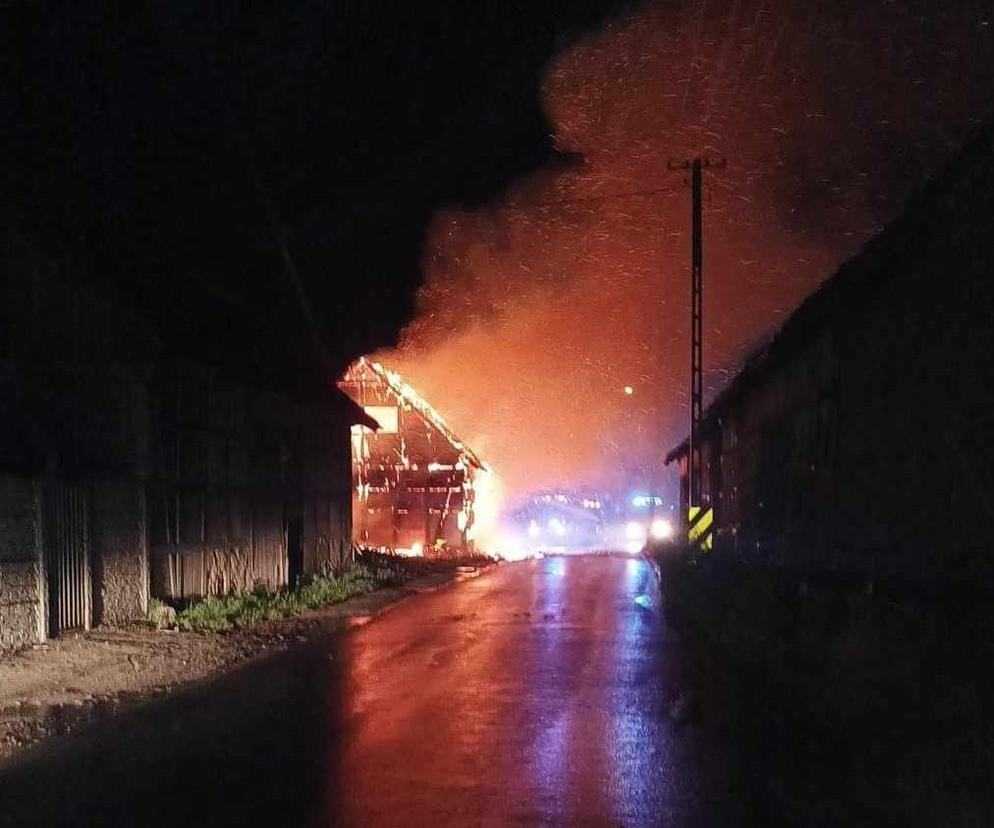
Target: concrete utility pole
x=696, y=167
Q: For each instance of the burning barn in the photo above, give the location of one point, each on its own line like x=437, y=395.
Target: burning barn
x=416, y=485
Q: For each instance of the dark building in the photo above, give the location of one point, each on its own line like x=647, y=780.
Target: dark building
x=862, y=434
x=125, y=472
x=415, y=484
x=246, y=486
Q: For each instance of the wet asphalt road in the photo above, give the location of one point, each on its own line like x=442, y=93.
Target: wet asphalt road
x=535, y=695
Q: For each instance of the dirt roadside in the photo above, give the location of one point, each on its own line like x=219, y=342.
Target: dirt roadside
x=52, y=688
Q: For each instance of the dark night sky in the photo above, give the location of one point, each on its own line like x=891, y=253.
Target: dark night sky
x=387, y=137
x=134, y=134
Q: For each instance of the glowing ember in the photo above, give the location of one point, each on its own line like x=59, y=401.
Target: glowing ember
x=486, y=511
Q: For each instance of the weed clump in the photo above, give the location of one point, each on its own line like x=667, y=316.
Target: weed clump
x=226, y=612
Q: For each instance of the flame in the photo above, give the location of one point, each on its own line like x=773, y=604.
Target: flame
x=488, y=497
x=407, y=394
x=481, y=487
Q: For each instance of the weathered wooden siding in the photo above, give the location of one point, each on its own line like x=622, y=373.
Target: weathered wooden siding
x=232, y=471
x=186, y=479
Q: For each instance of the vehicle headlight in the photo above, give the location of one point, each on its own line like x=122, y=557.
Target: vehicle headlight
x=634, y=531
x=661, y=529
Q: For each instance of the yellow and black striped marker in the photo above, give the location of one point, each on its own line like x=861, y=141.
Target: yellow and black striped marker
x=700, y=523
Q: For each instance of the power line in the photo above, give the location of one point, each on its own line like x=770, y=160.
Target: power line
x=606, y=197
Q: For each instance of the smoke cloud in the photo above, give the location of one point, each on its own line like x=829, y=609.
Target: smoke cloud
x=537, y=311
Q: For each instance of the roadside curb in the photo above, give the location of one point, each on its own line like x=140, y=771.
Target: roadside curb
x=457, y=577
x=411, y=591
x=654, y=565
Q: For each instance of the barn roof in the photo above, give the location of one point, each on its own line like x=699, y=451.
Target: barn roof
x=364, y=370
x=348, y=410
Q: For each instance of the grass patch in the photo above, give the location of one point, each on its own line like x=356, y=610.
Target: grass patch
x=226, y=612
x=372, y=570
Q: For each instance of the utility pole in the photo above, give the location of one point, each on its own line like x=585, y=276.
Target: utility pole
x=696, y=167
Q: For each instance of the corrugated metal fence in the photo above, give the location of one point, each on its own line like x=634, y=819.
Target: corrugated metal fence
x=69, y=585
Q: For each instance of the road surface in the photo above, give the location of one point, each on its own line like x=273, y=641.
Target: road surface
x=535, y=695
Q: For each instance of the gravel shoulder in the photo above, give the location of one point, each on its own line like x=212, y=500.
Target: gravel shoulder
x=52, y=688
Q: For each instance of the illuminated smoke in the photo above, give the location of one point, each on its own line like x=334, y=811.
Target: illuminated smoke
x=537, y=312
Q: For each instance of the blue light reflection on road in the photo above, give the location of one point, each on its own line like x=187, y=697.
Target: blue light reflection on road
x=550, y=756
x=637, y=732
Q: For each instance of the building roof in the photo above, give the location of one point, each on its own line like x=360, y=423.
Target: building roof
x=364, y=370
x=858, y=280
x=353, y=413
